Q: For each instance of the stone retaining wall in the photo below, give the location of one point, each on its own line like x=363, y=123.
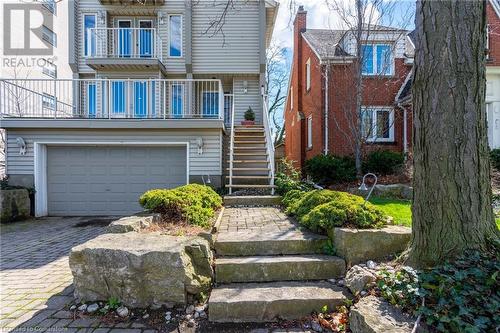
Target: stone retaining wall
x=14, y=205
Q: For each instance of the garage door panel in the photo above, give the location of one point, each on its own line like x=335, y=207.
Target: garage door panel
x=108, y=180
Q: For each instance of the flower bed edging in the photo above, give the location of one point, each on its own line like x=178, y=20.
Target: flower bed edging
x=360, y=245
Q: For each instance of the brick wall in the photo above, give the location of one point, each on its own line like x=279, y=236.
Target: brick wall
x=494, y=36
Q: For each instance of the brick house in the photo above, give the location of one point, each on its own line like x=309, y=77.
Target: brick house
x=493, y=73
x=320, y=108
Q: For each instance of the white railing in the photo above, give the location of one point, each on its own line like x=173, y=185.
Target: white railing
x=231, y=151
x=112, y=98
x=269, y=140
x=123, y=43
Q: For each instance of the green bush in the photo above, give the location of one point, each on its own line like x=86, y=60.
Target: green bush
x=193, y=203
x=330, y=169
x=383, y=162
x=459, y=296
x=495, y=158
x=288, y=178
x=321, y=210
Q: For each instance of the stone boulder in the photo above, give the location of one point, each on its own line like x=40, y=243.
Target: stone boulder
x=375, y=315
x=396, y=191
x=131, y=223
x=360, y=245
x=141, y=269
x=357, y=278
x=14, y=205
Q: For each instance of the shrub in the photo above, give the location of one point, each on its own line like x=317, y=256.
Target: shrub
x=249, y=114
x=329, y=169
x=291, y=197
x=459, y=296
x=495, y=158
x=309, y=200
x=383, y=162
x=288, y=179
x=347, y=210
x=193, y=203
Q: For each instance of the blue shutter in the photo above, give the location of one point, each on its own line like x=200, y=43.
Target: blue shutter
x=384, y=61
x=367, y=59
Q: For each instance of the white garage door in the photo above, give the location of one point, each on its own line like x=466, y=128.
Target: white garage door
x=108, y=180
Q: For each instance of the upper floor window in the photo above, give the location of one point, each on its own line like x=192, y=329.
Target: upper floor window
x=175, y=35
x=378, y=124
x=49, y=35
x=377, y=59
x=50, y=69
x=308, y=74
x=89, y=22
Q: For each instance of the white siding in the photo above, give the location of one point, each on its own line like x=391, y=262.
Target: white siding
x=209, y=162
x=235, y=49
x=252, y=98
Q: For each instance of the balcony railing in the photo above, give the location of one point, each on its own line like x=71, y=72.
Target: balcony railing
x=112, y=99
x=123, y=43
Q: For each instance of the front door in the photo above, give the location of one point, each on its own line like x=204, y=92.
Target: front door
x=145, y=43
x=140, y=99
x=124, y=38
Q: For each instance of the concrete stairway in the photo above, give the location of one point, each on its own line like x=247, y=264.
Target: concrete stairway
x=266, y=274
x=251, y=167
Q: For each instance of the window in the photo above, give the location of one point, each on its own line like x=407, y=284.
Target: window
x=175, y=35
x=378, y=124
x=89, y=40
x=49, y=36
x=308, y=74
x=309, y=132
x=177, y=100
x=92, y=99
x=48, y=101
x=377, y=59
x=50, y=69
x=210, y=104
x=118, y=102
x=50, y=5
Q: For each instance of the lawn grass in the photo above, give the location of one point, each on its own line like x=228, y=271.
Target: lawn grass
x=400, y=210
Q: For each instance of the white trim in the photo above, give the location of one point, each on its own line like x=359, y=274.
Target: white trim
x=309, y=132
x=308, y=74
x=496, y=7
x=408, y=76
x=169, y=31
x=374, y=46
x=373, y=110
x=40, y=163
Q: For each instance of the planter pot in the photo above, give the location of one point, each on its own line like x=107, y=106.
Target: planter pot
x=247, y=122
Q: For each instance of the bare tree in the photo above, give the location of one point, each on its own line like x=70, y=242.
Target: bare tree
x=276, y=85
x=452, y=209
x=361, y=22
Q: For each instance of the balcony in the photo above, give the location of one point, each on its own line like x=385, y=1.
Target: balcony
x=133, y=2
x=123, y=49
x=117, y=100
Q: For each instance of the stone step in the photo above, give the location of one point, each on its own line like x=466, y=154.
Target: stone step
x=264, y=302
x=255, y=243
x=252, y=200
x=278, y=268
x=250, y=186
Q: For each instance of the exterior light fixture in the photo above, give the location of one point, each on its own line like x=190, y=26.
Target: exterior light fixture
x=363, y=186
x=245, y=87
x=199, y=143
x=102, y=17
x=160, y=17
x=22, y=145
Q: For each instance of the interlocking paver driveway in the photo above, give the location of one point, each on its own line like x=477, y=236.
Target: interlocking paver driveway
x=35, y=279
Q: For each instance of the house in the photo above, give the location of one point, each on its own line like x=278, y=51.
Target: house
x=493, y=73
x=156, y=93
x=320, y=111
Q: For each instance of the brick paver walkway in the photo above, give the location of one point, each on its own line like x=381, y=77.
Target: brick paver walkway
x=35, y=279
x=268, y=219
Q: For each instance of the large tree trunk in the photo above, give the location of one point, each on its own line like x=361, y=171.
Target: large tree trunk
x=452, y=208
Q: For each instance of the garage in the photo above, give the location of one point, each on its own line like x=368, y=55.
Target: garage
x=108, y=180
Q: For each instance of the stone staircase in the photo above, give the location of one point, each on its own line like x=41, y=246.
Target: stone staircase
x=267, y=269
x=251, y=162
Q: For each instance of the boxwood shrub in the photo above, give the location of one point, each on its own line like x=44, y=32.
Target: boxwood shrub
x=383, y=162
x=330, y=169
x=195, y=204
x=321, y=210
x=495, y=158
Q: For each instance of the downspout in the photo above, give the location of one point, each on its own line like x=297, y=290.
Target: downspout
x=405, y=133
x=327, y=71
